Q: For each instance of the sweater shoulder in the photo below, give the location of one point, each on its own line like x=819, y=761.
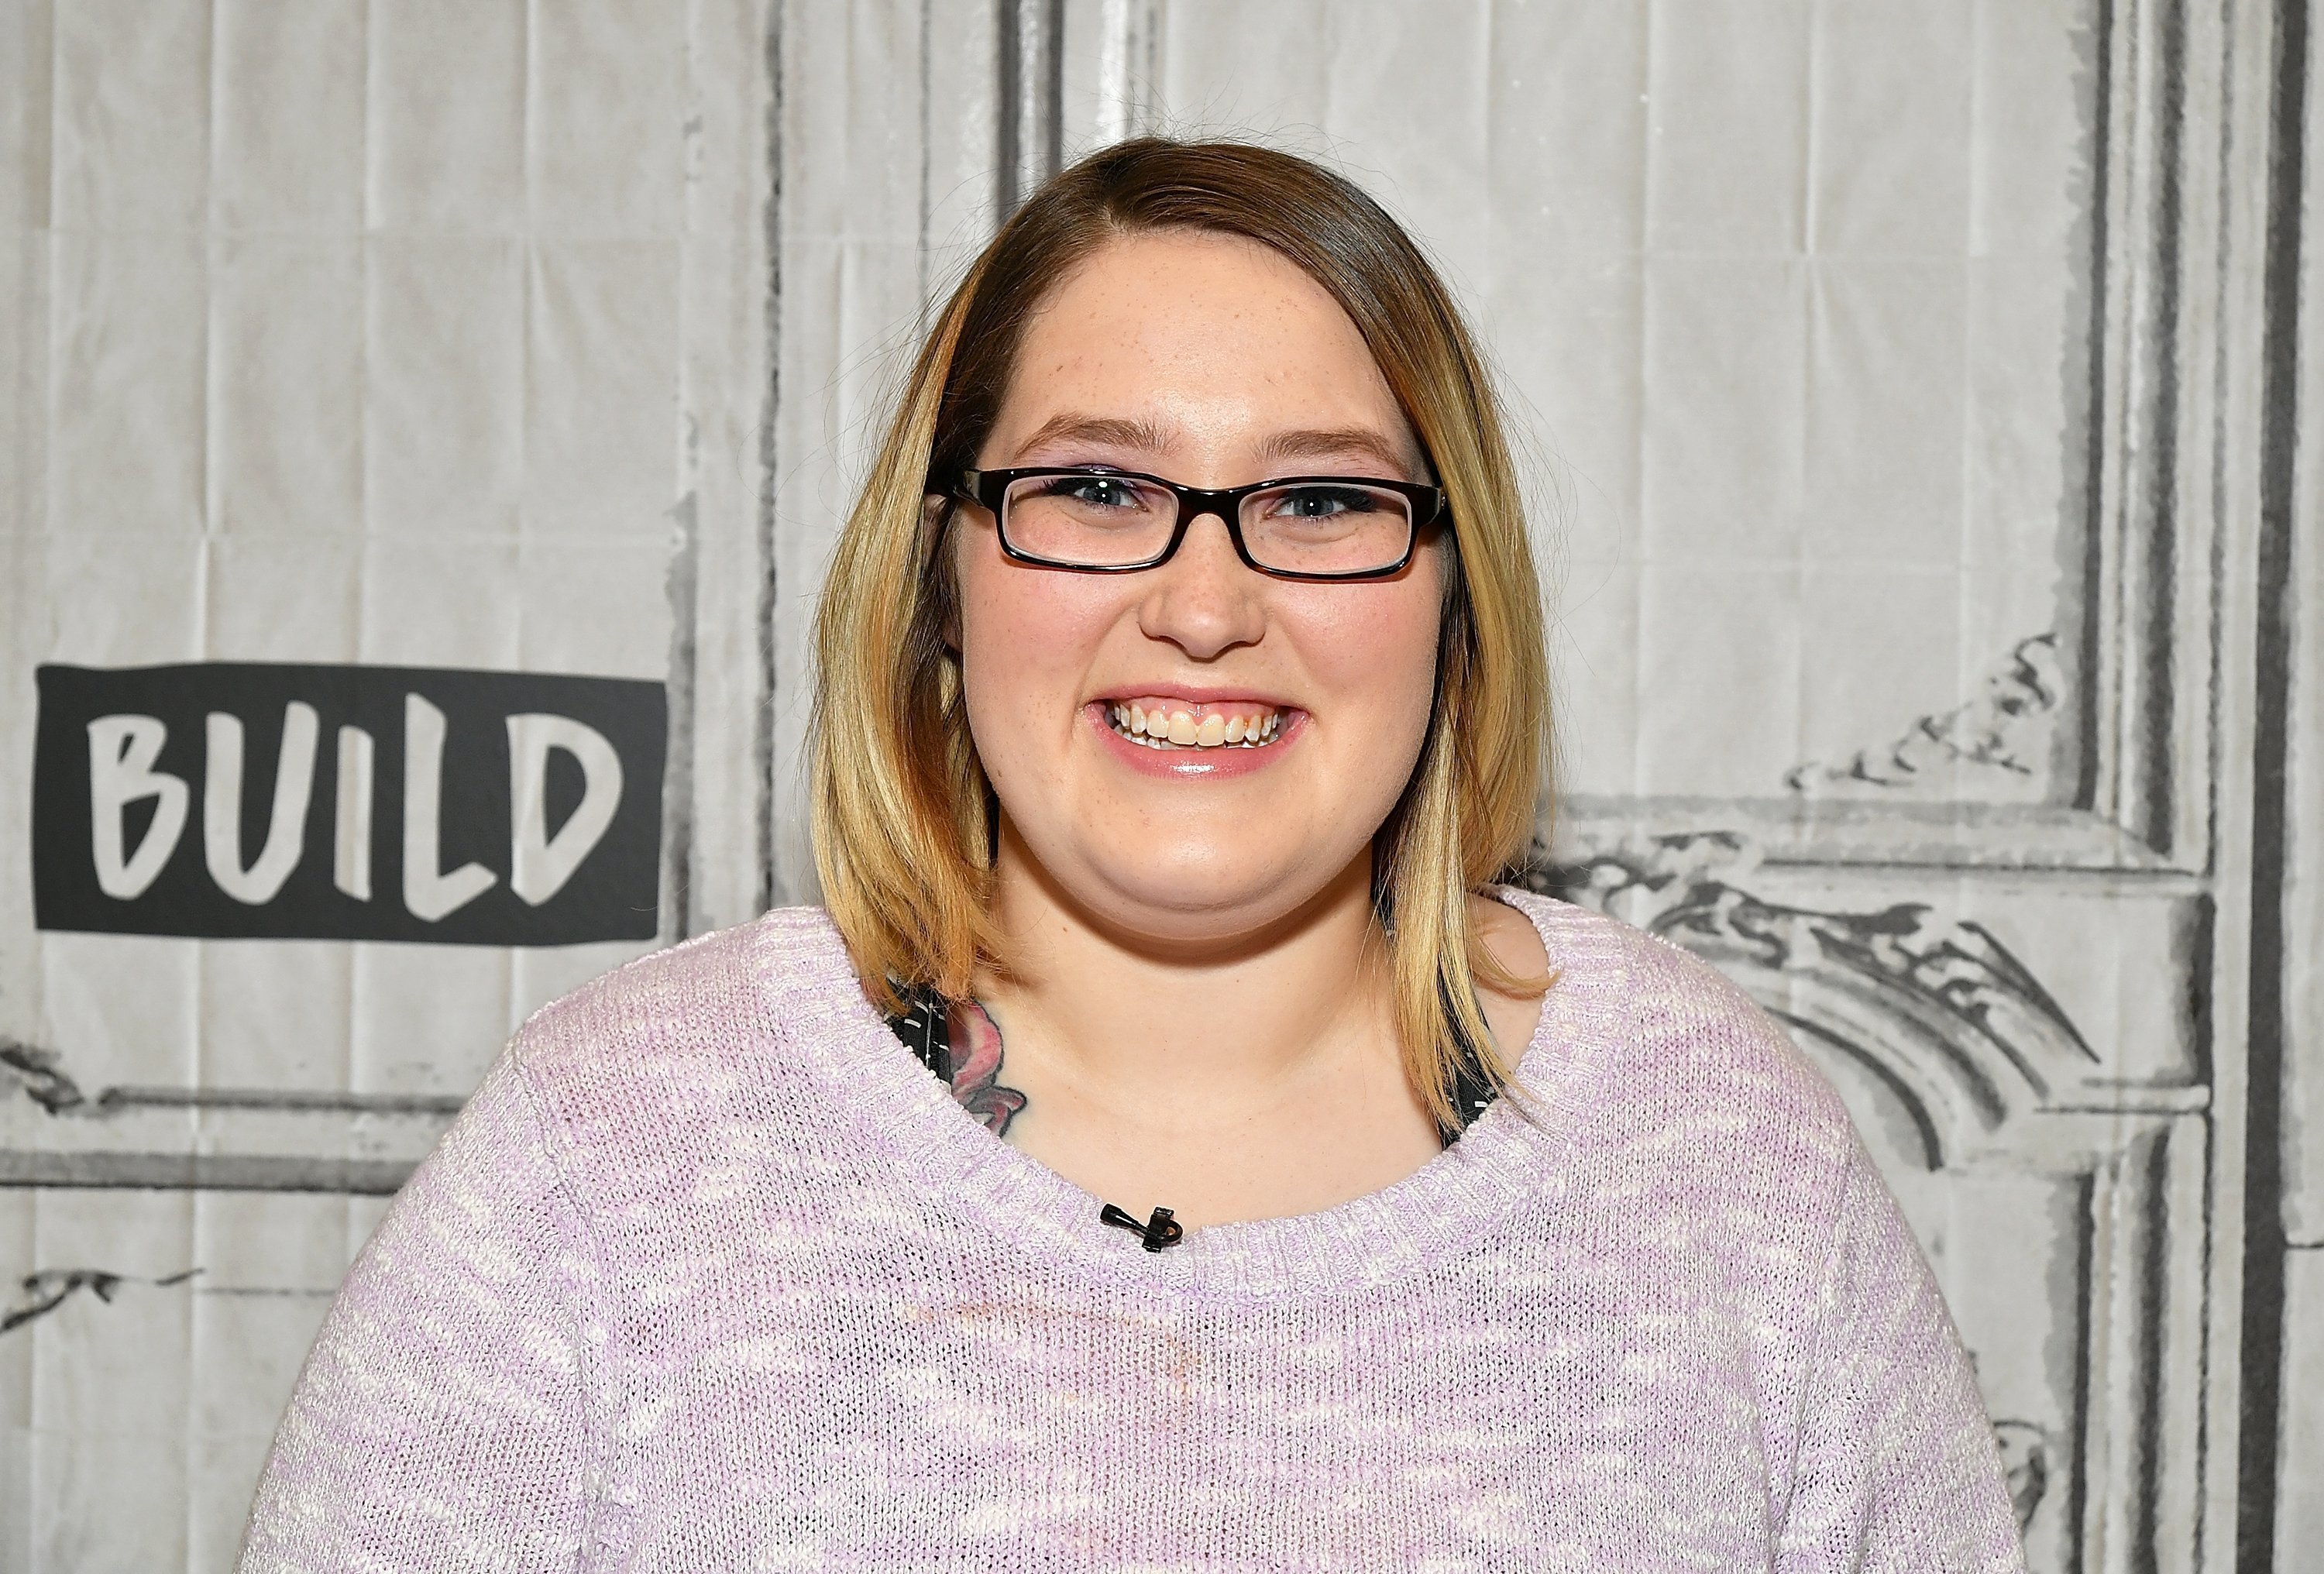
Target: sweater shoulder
x=664, y=1033
x=1684, y=1045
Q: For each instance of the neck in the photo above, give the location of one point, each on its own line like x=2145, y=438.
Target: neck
x=1226, y=1026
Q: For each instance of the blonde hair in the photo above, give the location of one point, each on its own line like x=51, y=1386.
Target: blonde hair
x=902, y=809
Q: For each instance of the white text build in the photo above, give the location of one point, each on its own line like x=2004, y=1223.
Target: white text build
x=245, y=800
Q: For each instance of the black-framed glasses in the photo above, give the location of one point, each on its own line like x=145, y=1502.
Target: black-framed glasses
x=1100, y=520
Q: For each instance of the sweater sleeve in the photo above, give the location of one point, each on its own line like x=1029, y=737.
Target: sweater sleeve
x=1897, y=1467
x=442, y=1419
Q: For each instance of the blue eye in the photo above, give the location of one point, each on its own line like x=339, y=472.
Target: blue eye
x=1324, y=502
x=1098, y=491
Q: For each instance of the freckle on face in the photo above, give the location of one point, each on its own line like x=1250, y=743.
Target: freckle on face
x=1214, y=363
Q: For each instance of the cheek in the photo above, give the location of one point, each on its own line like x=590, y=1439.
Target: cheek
x=1373, y=652
x=1026, y=634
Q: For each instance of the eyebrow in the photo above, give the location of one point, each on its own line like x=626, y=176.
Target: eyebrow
x=1119, y=432
x=1327, y=444
x=1113, y=431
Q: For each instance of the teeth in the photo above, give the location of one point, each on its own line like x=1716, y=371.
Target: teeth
x=1161, y=729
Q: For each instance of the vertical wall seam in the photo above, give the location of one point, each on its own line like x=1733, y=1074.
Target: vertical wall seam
x=2259, y=1445
x=2091, y=615
x=763, y=739
x=1008, y=117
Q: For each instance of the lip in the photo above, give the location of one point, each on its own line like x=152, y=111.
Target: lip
x=1192, y=764
x=1193, y=695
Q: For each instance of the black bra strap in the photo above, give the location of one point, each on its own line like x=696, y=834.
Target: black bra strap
x=924, y=1027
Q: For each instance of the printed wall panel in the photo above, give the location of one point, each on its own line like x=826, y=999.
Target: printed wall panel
x=2289, y=877
x=1907, y=400
x=1895, y=379
x=379, y=384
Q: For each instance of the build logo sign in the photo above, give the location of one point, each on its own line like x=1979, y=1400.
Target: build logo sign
x=347, y=803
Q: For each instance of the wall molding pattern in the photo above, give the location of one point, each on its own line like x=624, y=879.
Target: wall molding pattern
x=1031, y=121
x=1985, y=1085
x=1999, y=730
x=140, y=1138
x=1995, y=1083
x=1128, y=70
x=1940, y=1008
x=2140, y=623
x=2166, y=352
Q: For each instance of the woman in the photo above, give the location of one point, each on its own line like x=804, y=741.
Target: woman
x=1236, y=1179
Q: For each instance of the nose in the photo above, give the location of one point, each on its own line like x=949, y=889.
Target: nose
x=1205, y=600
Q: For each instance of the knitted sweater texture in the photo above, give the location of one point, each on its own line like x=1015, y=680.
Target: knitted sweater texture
x=712, y=1274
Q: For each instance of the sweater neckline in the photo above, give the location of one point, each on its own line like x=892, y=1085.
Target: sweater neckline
x=1504, y=1156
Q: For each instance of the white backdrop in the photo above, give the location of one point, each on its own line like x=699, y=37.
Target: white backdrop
x=1909, y=398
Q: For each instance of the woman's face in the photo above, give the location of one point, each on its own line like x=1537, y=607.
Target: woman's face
x=1212, y=362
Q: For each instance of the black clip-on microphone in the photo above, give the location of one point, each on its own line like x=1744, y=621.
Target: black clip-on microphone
x=1157, y=1232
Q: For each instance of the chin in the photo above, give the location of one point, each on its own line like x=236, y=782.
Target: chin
x=1212, y=895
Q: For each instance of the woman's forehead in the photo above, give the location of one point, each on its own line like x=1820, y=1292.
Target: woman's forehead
x=1163, y=340
x=1192, y=292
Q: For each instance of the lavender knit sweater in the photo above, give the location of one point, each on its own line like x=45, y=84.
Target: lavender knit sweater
x=711, y=1275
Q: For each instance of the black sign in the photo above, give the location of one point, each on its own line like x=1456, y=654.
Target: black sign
x=347, y=803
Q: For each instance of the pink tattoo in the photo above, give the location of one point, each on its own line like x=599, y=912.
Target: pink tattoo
x=976, y=1068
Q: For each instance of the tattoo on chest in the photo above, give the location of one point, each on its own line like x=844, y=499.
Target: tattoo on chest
x=976, y=1068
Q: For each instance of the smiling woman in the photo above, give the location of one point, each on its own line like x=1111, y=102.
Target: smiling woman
x=1182, y=699
x=1253, y=328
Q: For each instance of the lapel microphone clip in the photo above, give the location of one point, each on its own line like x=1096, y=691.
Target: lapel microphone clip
x=1155, y=1233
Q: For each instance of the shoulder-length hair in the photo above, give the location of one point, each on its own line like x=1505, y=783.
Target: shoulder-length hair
x=902, y=809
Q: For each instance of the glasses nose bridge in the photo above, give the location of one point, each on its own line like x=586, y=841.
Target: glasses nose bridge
x=1224, y=505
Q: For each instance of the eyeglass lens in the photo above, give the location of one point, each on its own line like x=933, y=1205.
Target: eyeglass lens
x=1303, y=526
